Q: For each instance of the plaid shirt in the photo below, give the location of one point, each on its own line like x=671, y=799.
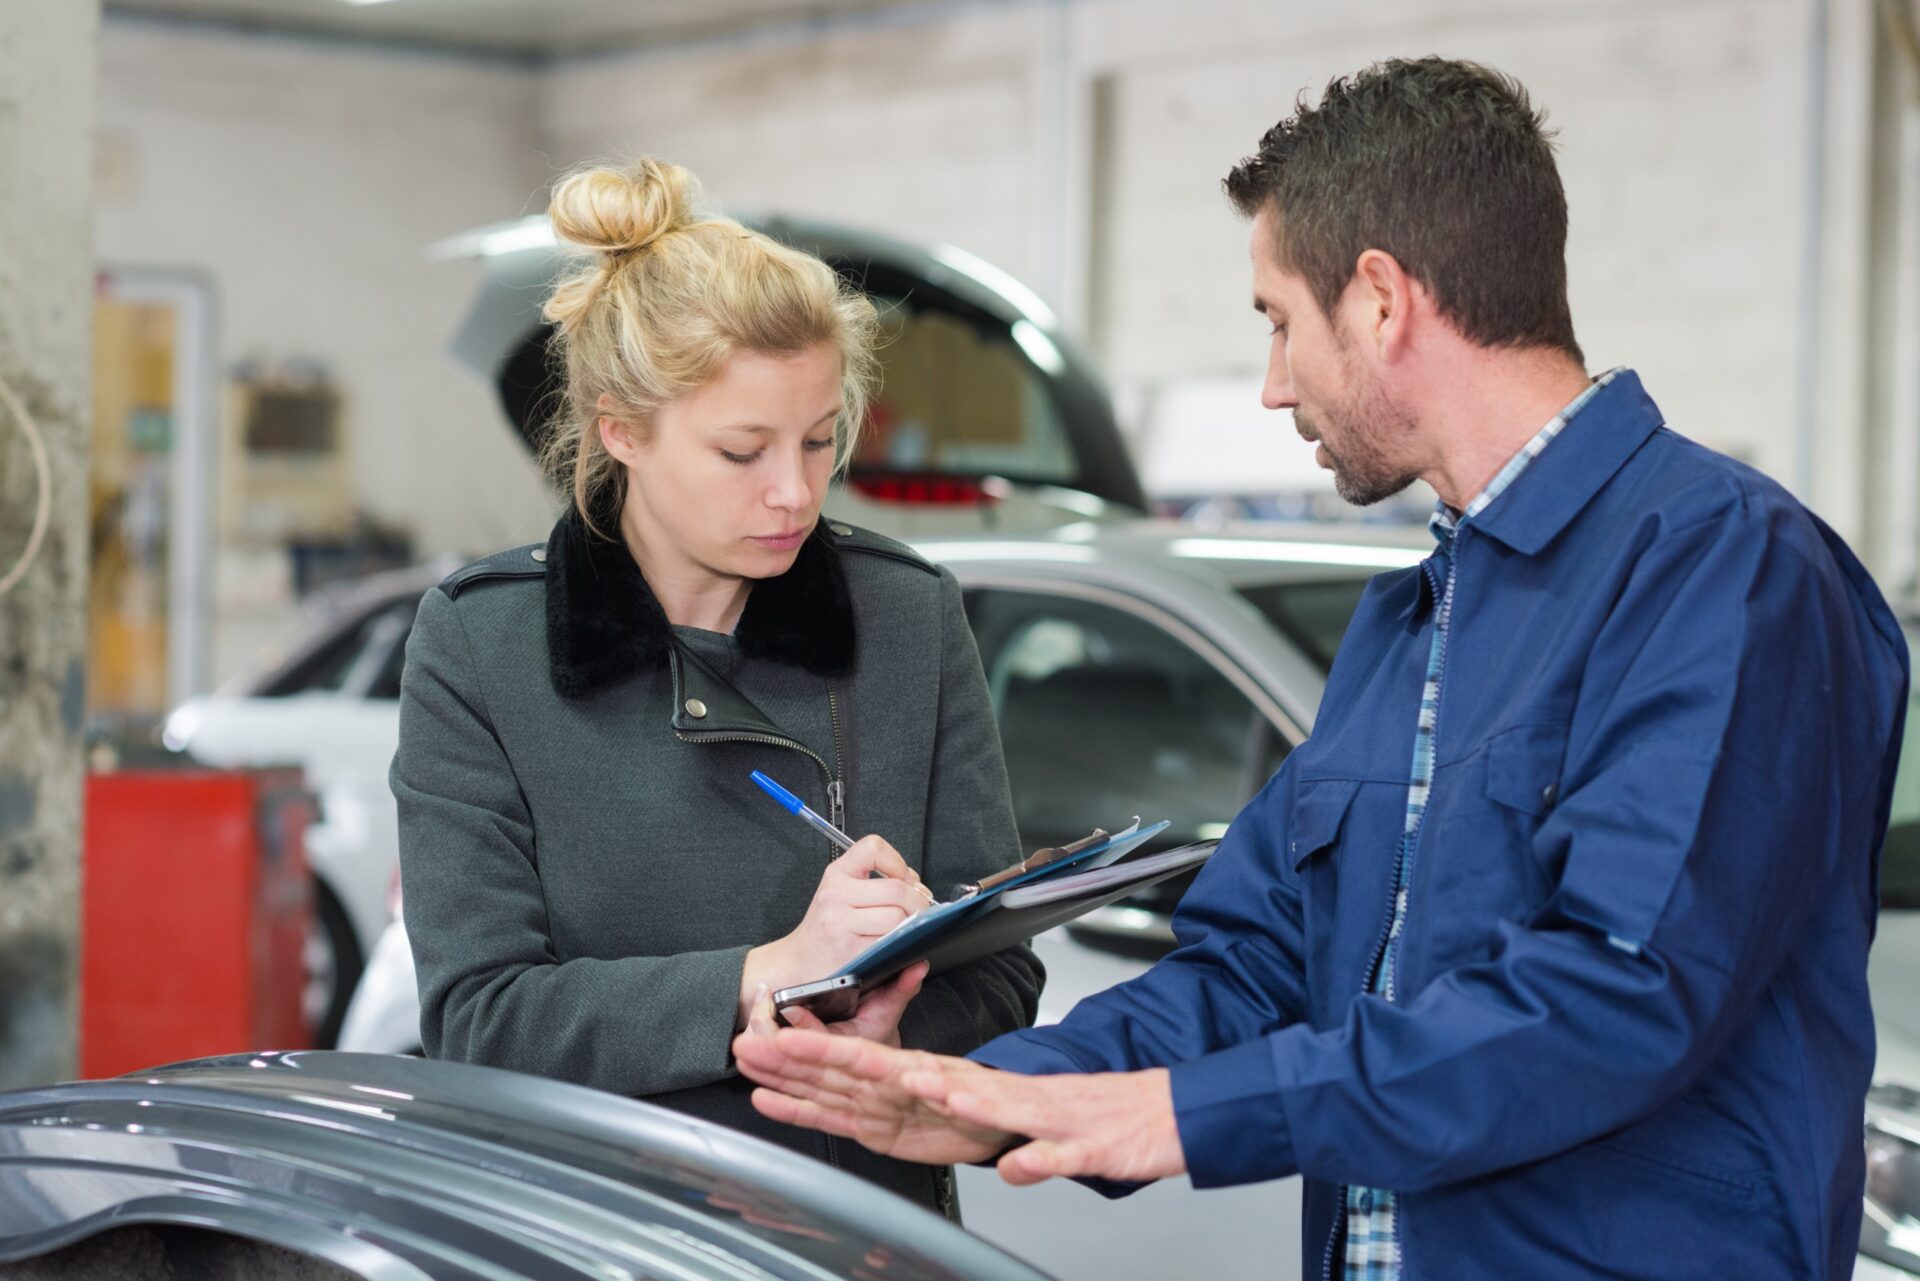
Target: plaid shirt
x=1373, y=1234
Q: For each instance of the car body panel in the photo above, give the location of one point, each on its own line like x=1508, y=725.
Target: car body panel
x=392, y=1167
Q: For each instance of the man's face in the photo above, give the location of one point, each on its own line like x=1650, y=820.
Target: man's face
x=1318, y=368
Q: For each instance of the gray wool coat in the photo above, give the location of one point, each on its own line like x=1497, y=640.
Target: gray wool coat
x=585, y=860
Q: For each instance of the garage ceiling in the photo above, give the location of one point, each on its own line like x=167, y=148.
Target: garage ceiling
x=529, y=28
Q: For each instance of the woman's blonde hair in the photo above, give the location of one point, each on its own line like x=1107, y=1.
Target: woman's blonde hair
x=664, y=299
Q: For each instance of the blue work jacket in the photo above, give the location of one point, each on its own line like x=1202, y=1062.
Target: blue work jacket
x=1632, y=1035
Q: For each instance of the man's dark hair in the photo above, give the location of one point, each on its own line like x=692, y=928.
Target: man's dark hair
x=1441, y=163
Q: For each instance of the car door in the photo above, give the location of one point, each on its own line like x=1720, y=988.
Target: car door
x=1105, y=714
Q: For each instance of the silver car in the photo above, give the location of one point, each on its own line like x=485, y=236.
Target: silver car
x=1138, y=667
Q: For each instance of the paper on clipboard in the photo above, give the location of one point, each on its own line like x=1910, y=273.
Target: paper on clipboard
x=940, y=931
x=1100, y=878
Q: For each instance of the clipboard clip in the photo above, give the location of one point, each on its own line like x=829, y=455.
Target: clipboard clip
x=1039, y=858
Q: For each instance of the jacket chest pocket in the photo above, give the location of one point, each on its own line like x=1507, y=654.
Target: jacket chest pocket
x=1479, y=863
x=1334, y=846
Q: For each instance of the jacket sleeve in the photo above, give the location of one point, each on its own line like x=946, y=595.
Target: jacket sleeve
x=491, y=991
x=1702, y=810
x=970, y=833
x=1237, y=975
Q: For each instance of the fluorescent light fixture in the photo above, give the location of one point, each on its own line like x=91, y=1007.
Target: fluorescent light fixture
x=1297, y=551
x=361, y=3
x=1038, y=346
x=997, y=280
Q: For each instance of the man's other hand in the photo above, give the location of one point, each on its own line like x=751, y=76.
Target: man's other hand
x=933, y=1108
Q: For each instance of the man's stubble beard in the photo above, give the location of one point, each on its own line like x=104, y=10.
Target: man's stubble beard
x=1363, y=471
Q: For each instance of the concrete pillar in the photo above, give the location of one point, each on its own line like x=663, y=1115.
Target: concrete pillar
x=47, y=59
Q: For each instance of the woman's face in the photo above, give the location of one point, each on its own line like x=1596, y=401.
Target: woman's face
x=732, y=478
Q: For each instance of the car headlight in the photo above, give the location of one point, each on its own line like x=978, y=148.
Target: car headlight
x=1890, y=1230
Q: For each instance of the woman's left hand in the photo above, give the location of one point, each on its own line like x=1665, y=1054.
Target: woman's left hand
x=878, y=1018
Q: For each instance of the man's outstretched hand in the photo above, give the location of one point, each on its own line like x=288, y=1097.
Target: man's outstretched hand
x=929, y=1107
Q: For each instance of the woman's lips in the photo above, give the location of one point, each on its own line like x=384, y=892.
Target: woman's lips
x=781, y=542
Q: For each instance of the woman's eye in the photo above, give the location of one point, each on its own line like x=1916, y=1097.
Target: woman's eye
x=739, y=460
x=817, y=445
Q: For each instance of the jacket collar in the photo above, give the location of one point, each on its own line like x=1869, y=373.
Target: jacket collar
x=604, y=623
x=1558, y=485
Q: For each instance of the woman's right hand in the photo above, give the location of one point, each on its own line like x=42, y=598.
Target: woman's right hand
x=850, y=909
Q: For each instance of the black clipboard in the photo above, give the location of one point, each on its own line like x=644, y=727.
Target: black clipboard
x=965, y=930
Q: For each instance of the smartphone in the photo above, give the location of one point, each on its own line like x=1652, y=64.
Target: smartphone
x=828, y=1000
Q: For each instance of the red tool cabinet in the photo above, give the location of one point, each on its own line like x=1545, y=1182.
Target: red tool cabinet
x=195, y=908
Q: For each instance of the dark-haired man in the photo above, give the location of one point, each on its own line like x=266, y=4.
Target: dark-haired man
x=1546, y=955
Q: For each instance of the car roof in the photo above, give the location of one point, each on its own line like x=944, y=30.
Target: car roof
x=1239, y=554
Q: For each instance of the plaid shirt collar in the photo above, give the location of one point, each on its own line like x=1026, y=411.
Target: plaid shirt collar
x=1445, y=521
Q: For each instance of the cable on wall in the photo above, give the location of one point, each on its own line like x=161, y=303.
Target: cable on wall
x=43, y=503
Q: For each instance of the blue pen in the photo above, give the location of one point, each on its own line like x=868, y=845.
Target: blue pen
x=794, y=805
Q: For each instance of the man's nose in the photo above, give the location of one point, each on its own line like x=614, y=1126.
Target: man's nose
x=1277, y=391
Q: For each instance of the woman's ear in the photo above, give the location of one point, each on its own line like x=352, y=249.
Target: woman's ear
x=616, y=436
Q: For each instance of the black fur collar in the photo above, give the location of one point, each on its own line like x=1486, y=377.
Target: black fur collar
x=604, y=624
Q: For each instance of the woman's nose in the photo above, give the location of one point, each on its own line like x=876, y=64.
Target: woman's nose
x=789, y=489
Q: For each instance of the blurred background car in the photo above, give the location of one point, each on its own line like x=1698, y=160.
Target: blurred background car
x=334, y=1167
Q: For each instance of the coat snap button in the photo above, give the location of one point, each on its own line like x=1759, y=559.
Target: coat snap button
x=696, y=708
x=842, y=530
x=1548, y=793
x=539, y=554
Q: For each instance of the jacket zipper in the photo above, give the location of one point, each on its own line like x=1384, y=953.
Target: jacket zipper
x=836, y=801
x=1443, y=620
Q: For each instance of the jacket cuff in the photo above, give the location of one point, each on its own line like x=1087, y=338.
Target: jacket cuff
x=1232, y=1127
x=1026, y=1052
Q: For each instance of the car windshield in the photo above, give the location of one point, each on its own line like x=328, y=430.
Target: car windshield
x=959, y=398
x=1313, y=615
x=1900, y=868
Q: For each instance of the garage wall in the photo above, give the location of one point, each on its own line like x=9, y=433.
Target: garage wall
x=307, y=181
x=304, y=181
x=926, y=129
x=1080, y=145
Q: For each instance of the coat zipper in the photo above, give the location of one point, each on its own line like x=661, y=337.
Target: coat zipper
x=836, y=801
x=1443, y=620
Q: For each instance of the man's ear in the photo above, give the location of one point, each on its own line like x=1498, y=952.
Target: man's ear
x=1386, y=297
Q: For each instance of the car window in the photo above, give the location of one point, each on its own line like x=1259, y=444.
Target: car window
x=960, y=399
x=1313, y=615
x=362, y=659
x=1103, y=716
x=1900, y=866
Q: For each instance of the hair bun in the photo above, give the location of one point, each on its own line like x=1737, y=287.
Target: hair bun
x=621, y=210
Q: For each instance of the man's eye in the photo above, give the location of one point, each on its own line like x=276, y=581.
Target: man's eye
x=739, y=459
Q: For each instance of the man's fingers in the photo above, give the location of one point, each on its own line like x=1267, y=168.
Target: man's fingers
x=804, y=1112
x=1041, y=1160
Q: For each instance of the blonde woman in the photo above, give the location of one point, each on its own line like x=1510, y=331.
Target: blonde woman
x=595, y=890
